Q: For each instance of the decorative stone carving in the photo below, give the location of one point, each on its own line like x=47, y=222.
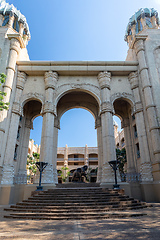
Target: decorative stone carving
x=122, y=95
x=48, y=175
x=21, y=78
x=30, y=96
x=7, y=174
x=146, y=172
x=51, y=79
x=15, y=45
x=133, y=78
x=106, y=107
x=139, y=46
x=49, y=107
x=104, y=79
x=16, y=108
x=107, y=173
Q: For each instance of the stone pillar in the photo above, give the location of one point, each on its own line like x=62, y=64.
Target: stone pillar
x=8, y=169
x=146, y=168
x=55, y=140
x=86, y=156
x=108, y=141
x=7, y=88
x=11, y=21
x=100, y=149
x=47, y=139
x=148, y=99
x=22, y=172
x=131, y=168
x=66, y=156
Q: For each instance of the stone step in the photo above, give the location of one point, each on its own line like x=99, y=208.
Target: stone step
x=74, y=216
x=57, y=197
x=58, y=204
x=71, y=210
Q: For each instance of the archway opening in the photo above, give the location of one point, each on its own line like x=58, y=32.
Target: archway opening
x=28, y=151
x=127, y=140
x=77, y=112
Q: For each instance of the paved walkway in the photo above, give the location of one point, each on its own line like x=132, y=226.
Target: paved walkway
x=145, y=227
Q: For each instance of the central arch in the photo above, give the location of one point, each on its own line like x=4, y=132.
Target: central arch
x=79, y=99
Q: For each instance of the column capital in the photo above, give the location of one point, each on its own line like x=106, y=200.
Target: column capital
x=139, y=46
x=49, y=107
x=104, y=79
x=50, y=79
x=14, y=43
x=133, y=78
x=16, y=108
x=106, y=107
x=21, y=78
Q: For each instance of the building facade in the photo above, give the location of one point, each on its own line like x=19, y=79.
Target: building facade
x=129, y=89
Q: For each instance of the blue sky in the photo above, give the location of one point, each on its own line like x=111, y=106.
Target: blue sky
x=70, y=30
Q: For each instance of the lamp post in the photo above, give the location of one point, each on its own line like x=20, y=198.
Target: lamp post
x=114, y=164
x=41, y=166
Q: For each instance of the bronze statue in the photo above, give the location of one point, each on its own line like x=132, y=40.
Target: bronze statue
x=79, y=173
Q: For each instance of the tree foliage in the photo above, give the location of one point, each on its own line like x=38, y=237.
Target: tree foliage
x=3, y=105
x=121, y=157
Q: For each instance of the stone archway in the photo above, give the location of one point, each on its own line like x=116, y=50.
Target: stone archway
x=81, y=99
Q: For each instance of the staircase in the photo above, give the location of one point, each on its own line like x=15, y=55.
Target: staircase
x=76, y=201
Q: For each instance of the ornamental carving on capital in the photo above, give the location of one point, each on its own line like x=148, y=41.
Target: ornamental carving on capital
x=107, y=107
x=21, y=78
x=104, y=79
x=15, y=45
x=16, y=108
x=139, y=46
x=49, y=107
x=51, y=79
x=133, y=79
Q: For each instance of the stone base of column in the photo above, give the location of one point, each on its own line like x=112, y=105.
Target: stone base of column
x=99, y=175
x=107, y=174
x=48, y=175
x=146, y=172
x=21, y=177
x=7, y=174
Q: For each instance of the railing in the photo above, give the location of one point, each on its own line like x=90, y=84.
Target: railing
x=130, y=177
x=93, y=159
x=60, y=159
x=75, y=159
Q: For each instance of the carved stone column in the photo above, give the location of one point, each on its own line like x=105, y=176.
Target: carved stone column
x=86, y=155
x=100, y=148
x=66, y=156
x=108, y=141
x=47, y=139
x=128, y=145
x=22, y=172
x=148, y=100
x=146, y=168
x=7, y=88
x=8, y=169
